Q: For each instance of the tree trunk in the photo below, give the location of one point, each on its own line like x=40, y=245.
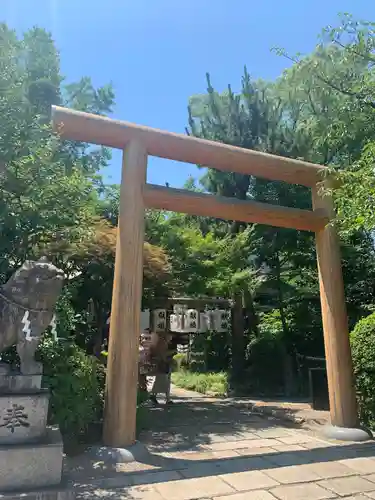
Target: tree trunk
x=252, y=317
x=289, y=382
x=238, y=343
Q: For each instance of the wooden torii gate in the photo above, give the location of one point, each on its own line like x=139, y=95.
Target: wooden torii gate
x=137, y=142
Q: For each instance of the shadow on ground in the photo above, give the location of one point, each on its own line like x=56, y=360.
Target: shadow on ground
x=189, y=424
x=178, y=447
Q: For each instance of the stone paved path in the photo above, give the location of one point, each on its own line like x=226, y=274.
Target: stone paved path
x=211, y=449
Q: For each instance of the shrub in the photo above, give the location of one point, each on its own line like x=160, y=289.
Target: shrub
x=363, y=350
x=264, y=366
x=180, y=361
x=218, y=353
x=76, y=382
x=205, y=383
x=142, y=398
x=198, y=353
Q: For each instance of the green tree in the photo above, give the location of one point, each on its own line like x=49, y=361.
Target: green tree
x=321, y=110
x=255, y=119
x=48, y=187
x=334, y=91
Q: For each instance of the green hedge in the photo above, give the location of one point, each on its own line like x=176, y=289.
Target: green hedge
x=363, y=351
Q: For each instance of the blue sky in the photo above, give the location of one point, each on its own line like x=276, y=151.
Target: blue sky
x=157, y=52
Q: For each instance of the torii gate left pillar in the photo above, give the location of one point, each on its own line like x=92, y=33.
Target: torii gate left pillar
x=122, y=376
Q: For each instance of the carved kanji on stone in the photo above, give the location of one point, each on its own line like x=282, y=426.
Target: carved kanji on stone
x=15, y=417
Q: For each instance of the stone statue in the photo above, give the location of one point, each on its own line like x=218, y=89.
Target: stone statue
x=27, y=303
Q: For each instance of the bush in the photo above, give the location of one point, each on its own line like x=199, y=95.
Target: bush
x=142, y=398
x=205, y=383
x=363, y=351
x=264, y=366
x=180, y=361
x=218, y=353
x=76, y=382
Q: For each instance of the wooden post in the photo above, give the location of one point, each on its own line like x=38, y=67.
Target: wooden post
x=342, y=399
x=122, y=368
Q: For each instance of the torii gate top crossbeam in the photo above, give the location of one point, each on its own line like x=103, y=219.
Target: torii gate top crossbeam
x=95, y=129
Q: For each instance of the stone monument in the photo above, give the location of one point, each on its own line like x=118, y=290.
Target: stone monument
x=31, y=453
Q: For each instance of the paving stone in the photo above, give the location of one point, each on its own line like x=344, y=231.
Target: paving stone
x=242, y=436
x=243, y=464
x=315, y=443
x=218, y=454
x=293, y=474
x=371, y=478
x=329, y=470
x=286, y=459
x=108, y=483
x=275, y=432
x=309, y=491
x=247, y=481
x=216, y=438
x=132, y=493
x=139, y=493
x=324, y=455
x=370, y=494
x=255, y=451
x=360, y=497
x=202, y=455
x=91, y=493
x=201, y=470
x=255, y=495
x=295, y=439
x=189, y=489
x=358, y=451
x=348, y=485
x=59, y=492
x=361, y=465
x=155, y=477
x=219, y=429
x=288, y=447
x=237, y=445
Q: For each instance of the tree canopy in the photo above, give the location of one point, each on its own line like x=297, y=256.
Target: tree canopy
x=53, y=199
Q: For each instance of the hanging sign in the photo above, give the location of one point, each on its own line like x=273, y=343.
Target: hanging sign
x=221, y=320
x=191, y=321
x=160, y=320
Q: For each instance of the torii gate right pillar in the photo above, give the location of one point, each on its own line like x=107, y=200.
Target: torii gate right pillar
x=342, y=396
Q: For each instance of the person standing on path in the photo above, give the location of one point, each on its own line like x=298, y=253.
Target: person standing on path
x=165, y=350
